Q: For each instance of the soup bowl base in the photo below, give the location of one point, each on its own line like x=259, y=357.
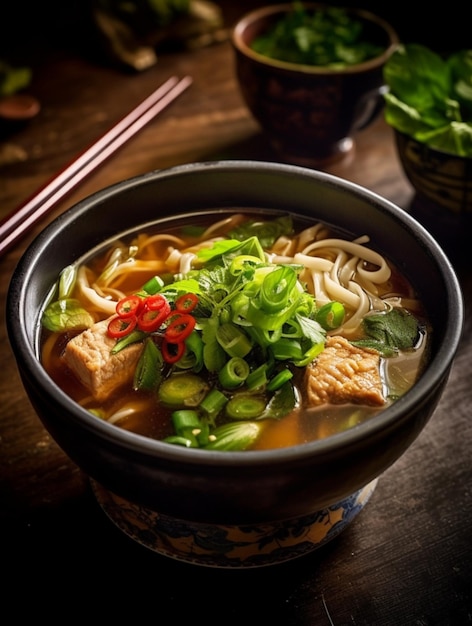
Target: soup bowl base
x=231, y=546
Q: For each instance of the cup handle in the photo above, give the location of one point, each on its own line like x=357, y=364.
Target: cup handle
x=369, y=107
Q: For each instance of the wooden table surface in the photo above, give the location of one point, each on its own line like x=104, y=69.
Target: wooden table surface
x=407, y=558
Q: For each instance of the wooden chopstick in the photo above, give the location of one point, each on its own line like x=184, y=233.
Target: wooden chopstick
x=30, y=212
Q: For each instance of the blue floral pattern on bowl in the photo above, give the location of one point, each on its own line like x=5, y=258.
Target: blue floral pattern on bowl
x=228, y=546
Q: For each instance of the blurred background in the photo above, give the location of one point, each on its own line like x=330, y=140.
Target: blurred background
x=29, y=27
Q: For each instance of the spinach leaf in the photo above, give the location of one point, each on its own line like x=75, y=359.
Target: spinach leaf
x=430, y=97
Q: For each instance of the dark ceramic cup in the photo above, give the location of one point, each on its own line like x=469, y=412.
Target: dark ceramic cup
x=310, y=113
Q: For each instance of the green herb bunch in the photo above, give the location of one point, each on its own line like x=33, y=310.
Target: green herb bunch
x=328, y=37
x=429, y=97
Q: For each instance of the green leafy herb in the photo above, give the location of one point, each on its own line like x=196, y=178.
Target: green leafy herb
x=390, y=332
x=148, y=373
x=326, y=37
x=430, y=97
x=282, y=402
x=66, y=314
x=217, y=249
x=267, y=232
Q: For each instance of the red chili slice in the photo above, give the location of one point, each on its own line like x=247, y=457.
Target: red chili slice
x=172, y=351
x=150, y=320
x=129, y=305
x=186, y=303
x=179, y=328
x=121, y=326
x=157, y=302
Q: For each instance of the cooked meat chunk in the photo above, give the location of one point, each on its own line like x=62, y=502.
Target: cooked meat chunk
x=343, y=373
x=89, y=357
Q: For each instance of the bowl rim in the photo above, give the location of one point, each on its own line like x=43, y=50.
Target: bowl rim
x=405, y=138
x=329, y=446
x=237, y=40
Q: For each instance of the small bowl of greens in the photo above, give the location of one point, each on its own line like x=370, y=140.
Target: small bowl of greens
x=311, y=75
x=429, y=106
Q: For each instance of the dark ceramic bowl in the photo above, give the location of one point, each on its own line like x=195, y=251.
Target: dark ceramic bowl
x=444, y=180
x=442, y=200
x=145, y=485
x=310, y=113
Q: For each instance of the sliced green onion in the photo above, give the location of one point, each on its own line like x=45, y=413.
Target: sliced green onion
x=310, y=354
x=234, y=373
x=306, y=304
x=192, y=432
x=213, y=402
x=331, y=315
x=233, y=340
x=187, y=442
x=277, y=288
x=239, y=309
x=244, y=406
x=250, y=246
x=269, y=321
x=258, y=377
x=67, y=281
x=291, y=329
x=193, y=356
x=279, y=379
x=213, y=354
x=182, y=389
x=240, y=264
x=270, y=336
x=203, y=437
x=153, y=285
x=287, y=349
x=185, y=420
x=234, y=436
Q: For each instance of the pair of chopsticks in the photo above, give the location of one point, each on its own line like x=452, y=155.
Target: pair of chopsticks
x=30, y=212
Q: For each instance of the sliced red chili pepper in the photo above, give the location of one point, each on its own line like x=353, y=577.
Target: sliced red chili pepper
x=172, y=351
x=121, y=326
x=150, y=320
x=157, y=302
x=179, y=328
x=129, y=305
x=186, y=303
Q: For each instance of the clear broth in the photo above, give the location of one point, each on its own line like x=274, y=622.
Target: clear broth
x=304, y=424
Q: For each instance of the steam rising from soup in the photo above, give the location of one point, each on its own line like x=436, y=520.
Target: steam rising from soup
x=241, y=334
